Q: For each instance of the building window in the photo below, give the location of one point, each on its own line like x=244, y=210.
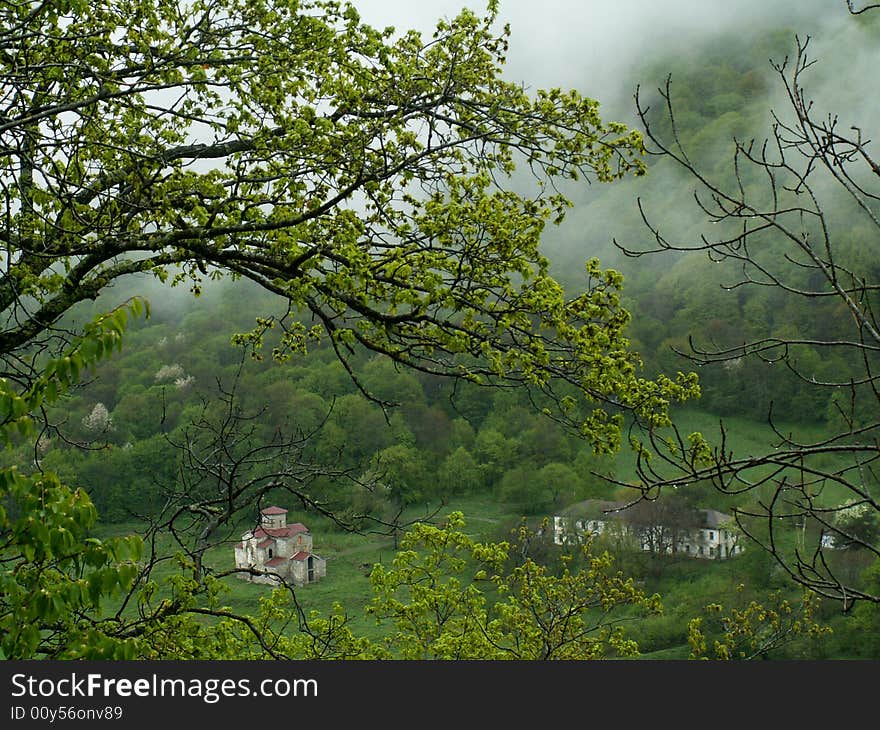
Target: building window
x=711, y=535
x=270, y=553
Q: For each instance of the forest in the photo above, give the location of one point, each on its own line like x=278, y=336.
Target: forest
x=363, y=277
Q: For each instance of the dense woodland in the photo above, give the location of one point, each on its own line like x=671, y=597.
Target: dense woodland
x=378, y=446
x=174, y=361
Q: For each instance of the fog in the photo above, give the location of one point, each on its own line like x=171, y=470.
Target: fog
x=596, y=46
x=605, y=49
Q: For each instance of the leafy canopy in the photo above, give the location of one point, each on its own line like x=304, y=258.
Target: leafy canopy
x=57, y=580
x=362, y=174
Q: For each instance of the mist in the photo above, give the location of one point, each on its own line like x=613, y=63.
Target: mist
x=597, y=47
x=608, y=50
x=605, y=50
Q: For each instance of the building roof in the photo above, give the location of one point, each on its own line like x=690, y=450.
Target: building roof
x=266, y=543
x=605, y=510
x=275, y=562
x=274, y=511
x=289, y=531
x=714, y=518
x=302, y=555
x=597, y=508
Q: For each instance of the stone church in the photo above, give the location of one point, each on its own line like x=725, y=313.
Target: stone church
x=275, y=552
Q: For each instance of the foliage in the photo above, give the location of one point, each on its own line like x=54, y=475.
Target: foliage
x=356, y=173
x=56, y=580
x=450, y=597
x=757, y=630
x=362, y=177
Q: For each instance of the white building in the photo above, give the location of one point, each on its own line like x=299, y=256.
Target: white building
x=276, y=552
x=704, y=533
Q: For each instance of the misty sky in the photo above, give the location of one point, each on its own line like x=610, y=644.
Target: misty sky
x=603, y=47
x=598, y=46
x=593, y=44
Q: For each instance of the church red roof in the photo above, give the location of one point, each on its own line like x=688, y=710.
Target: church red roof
x=289, y=531
x=275, y=562
x=274, y=511
x=301, y=555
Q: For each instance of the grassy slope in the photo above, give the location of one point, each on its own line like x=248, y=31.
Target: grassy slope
x=349, y=560
x=686, y=585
